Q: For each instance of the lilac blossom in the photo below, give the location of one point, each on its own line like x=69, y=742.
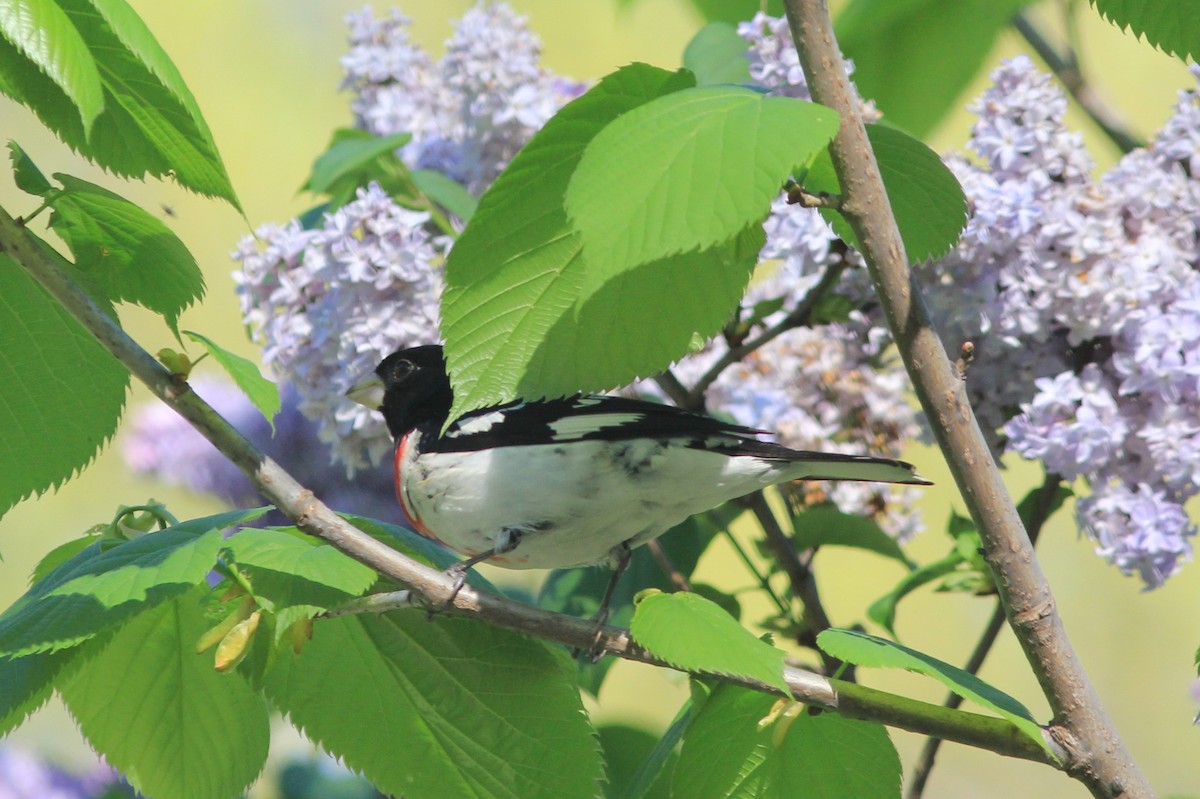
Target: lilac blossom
x=313, y=299
x=468, y=113
x=1081, y=295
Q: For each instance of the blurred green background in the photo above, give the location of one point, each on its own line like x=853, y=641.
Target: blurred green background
x=266, y=74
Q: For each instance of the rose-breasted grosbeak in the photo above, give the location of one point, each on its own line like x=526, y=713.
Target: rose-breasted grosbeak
x=576, y=481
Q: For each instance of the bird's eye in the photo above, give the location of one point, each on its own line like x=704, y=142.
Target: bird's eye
x=403, y=369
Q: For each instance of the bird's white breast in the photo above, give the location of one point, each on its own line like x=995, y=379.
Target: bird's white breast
x=574, y=502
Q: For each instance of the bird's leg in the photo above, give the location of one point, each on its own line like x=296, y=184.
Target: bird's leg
x=620, y=556
x=508, y=540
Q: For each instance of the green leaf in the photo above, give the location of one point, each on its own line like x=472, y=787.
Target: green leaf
x=26, y=683
x=516, y=270
x=449, y=194
x=655, y=770
x=729, y=752
x=625, y=749
x=928, y=203
x=105, y=585
x=150, y=124
x=869, y=651
x=41, y=32
x=916, y=57
x=842, y=757
x=26, y=175
x=452, y=708
x=129, y=251
x=261, y=391
x=161, y=714
x=883, y=610
x=294, y=575
x=827, y=526
x=1169, y=25
x=61, y=391
x=350, y=151
x=717, y=55
x=694, y=634
x=687, y=171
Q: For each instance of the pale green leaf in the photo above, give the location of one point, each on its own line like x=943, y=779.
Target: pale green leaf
x=107, y=583
x=696, y=635
x=150, y=124
x=349, y=153
x=735, y=749
x=516, y=270
x=161, y=714
x=26, y=175
x=432, y=710
x=688, y=171
x=716, y=55
x=261, y=391
x=916, y=57
x=26, y=683
x=868, y=651
x=825, y=525
x=1169, y=25
x=45, y=35
x=126, y=249
x=449, y=194
x=294, y=575
x=929, y=205
x=60, y=391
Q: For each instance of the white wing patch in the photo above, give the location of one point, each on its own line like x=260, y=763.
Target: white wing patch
x=570, y=427
x=477, y=424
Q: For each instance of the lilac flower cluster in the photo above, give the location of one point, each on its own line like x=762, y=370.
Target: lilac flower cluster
x=314, y=299
x=161, y=445
x=468, y=113
x=1082, y=298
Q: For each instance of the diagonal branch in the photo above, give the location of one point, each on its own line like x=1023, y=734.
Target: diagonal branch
x=435, y=589
x=1097, y=756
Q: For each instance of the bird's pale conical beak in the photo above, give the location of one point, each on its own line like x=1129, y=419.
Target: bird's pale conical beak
x=368, y=392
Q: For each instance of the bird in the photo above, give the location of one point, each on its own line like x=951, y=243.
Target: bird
x=571, y=481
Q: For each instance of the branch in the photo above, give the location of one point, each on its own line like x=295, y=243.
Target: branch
x=1097, y=756
x=804, y=586
x=1066, y=69
x=1042, y=509
x=435, y=589
x=799, y=317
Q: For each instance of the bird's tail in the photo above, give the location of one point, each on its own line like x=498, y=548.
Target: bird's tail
x=836, y=466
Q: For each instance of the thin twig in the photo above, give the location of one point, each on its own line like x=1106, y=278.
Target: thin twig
x=677, y=578
x=675, y=390
x=763, y=581
x=1097, y=755
x=437, y=589
x=798, y=195
x=799, y=316
x=1043, y=506
x=1066, y=69
x=815, y=619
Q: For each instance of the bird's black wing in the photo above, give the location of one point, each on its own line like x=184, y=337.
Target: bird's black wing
x=596, y=418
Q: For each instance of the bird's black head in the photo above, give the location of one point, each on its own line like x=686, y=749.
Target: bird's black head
x=410, y=387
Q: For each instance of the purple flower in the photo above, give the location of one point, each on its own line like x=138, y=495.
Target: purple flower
x=1082, y=298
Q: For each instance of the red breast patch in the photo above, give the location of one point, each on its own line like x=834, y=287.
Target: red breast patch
x=409, y=513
